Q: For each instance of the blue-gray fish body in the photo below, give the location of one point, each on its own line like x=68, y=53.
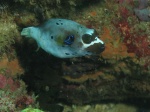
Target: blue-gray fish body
x=65, y=38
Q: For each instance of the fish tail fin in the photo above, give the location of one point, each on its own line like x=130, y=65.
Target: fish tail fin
x=26, y=32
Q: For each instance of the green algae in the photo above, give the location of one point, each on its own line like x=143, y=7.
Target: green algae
x=8, y=32
x=31, y=110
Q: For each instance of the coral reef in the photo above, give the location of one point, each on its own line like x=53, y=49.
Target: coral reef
x=10, y=66
x=143, y=12
x=101, y=108
x=115, y=48
x=51, y=8
x=132, y=31
x=121, y=72
x=25, y=18
x=125, y=58
x=13, y=95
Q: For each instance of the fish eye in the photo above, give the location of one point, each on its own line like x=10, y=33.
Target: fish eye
x=89, y=38
x=69, y=40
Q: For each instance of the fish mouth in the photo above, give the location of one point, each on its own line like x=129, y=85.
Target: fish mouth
x=96, y=48
x=102, y=47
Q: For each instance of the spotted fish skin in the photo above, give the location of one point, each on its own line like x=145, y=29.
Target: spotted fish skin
x=65, y=38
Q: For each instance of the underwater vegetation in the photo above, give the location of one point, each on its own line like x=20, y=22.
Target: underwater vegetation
x=3, y=6
x=7, y=34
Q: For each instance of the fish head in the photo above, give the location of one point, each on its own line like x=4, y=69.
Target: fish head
x=91, y=42
x=79, y=42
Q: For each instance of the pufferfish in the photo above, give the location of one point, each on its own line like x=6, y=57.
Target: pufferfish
x=65, y=38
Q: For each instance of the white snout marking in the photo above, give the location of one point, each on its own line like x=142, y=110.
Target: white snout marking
x=97, y=40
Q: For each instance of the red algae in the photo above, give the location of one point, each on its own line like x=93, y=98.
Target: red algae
x=134, y=40
x=3, y=81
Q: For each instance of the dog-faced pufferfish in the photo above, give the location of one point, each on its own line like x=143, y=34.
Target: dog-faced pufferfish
x=65, y=38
